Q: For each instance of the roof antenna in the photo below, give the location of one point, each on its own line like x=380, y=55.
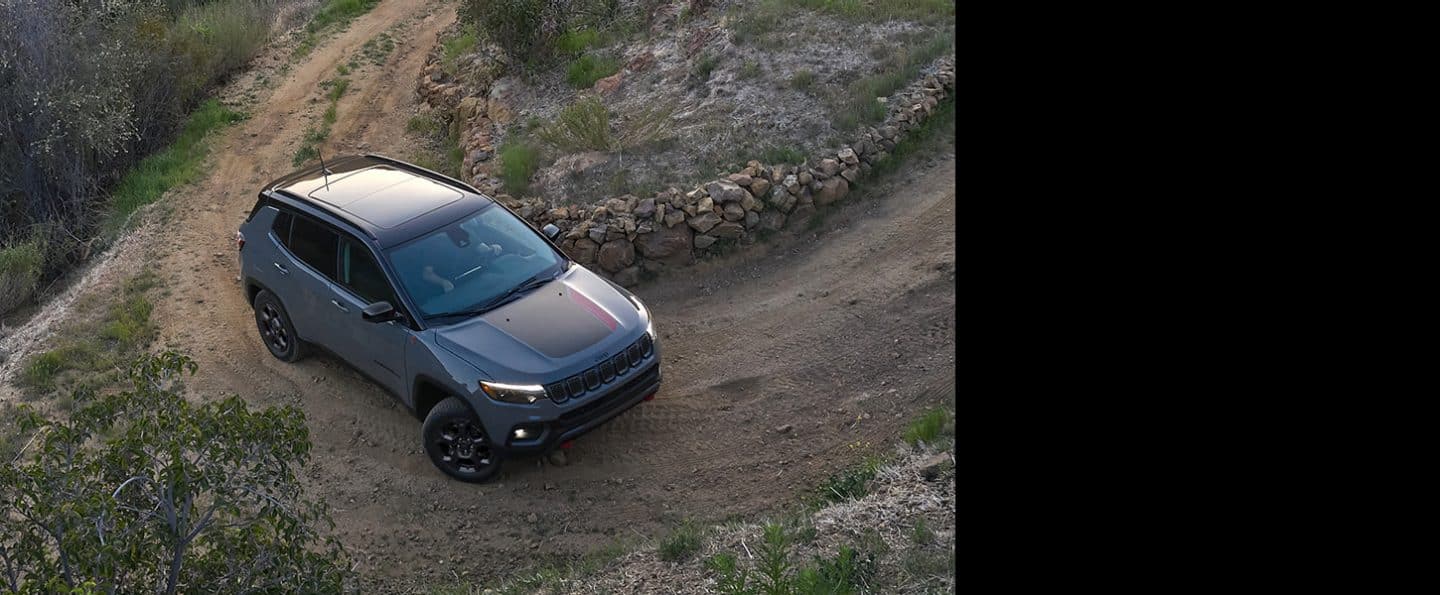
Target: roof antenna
x=323, y=169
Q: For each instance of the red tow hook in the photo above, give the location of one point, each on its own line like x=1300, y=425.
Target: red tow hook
x=567, y=444
x=650, y=397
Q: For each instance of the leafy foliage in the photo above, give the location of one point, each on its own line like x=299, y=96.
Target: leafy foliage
x=87, y=89
x=147, y=491
x=533, y=31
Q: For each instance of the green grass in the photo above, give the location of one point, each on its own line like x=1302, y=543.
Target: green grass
x=175, y=165
x=378, y=48
x=424, y=124
x=92, y=349
x=803, y=80
x=849, y=484
x=316, y=135
x=859, y=106
x=681, y=544
x=452, y=49
x=927, y=428
x=587, y=69
x=581, y=126
x=332, y=15
x=518, y=161
x=576, y=41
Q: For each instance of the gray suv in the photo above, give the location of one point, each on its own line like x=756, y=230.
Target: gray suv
x=473, y=319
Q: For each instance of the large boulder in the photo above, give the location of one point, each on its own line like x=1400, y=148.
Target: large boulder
x=725, y=191
x=832, y=190
x=759, y=187
x=585, y=250
x=645, y=209
x=616, y=254
x=734, y=212
x=728, y=229
x=669, y=244
x=772, y=220
x=702, y=222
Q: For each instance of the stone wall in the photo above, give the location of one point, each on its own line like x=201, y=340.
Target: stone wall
x=624, y=235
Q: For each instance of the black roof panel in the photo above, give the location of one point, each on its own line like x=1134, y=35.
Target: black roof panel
x=391, y=201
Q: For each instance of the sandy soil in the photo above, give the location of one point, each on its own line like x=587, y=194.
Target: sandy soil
x=842, y=335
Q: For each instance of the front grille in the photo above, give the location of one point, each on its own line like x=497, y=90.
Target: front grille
x=612, y=370
x=586, y=410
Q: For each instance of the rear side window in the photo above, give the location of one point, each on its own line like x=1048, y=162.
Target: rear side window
x=360, y=273
x=281, y=227
x=314, y=244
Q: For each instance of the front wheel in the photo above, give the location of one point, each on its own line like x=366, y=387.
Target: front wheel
x=457, y=443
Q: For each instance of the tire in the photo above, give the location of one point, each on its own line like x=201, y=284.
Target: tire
x=457, y=444
x=276, y=331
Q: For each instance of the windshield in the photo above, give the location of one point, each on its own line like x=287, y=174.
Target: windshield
x=466, y=264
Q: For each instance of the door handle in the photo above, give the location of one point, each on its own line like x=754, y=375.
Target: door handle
x=339, y=305
x=281, y=268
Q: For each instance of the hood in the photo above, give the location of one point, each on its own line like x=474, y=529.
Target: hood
x=554, y=328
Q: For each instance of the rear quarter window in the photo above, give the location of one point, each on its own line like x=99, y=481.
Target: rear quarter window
x=315, y=245
x=281, y=227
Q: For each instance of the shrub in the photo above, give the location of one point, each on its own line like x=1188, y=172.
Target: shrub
x=680, y=544
x=927, y=427
x=21, y=265
x=518, y=161
x=576, y=41
x=851, y=483
x=803, y=80
x=585, y=126
x=147, y=491
x=701, y=69
x=581, y=126
x=454, y=48
x=517, y=26
x=587, y=69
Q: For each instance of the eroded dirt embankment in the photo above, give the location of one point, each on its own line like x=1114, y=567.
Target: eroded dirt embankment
x=782, y=364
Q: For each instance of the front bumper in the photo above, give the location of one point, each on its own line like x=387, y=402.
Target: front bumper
x=546, y=436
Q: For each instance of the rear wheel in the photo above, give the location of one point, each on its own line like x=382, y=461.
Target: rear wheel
x=457, y=444
x=276, y=332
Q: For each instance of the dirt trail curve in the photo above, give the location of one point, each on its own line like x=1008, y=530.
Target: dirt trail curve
x=839, y=341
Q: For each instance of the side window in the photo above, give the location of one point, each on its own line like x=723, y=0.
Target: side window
x=281, y=227
x=361, y=274
x=315, y=244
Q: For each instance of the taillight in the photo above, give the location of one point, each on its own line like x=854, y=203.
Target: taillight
x=239, y=241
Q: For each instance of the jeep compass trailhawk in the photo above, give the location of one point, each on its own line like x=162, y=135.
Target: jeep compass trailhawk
x=473, y=319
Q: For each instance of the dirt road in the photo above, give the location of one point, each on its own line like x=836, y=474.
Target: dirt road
x=783, y=363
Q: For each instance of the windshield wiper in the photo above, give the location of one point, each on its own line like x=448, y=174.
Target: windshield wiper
x=504, y=298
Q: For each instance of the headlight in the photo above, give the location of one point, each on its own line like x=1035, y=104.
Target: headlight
x=649, y=321
x=523, y=394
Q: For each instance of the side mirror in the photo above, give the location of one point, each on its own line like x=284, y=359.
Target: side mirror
x=380, y=311
x=551, y=231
